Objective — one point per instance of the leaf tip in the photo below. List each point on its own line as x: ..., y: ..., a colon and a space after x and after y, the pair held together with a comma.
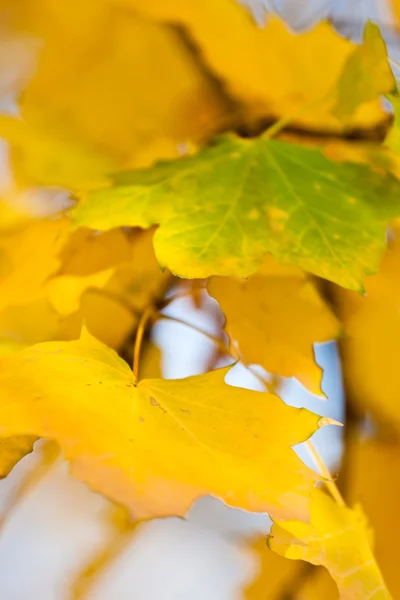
x: 328, y: 421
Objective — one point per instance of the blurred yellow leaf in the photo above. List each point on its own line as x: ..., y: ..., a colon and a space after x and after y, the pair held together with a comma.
x: 64, y: 292
x: 276, y: 315
x: 28, y: 257
x: 54, y: 281
x: 374, y: 477
x: 88, y: 252
x: 371, y: 345
x: 157, y: 445
x: 338, y: 539
x: 106, y: 318
x: 151, y: 362
x: 278, y: 576
x: 274, y: 573
x: 12, y: 449
x: 319, y: 585
x: 85, y: 293
x: 25, y: 324
x: 109, y: 85
x: 275, y: 71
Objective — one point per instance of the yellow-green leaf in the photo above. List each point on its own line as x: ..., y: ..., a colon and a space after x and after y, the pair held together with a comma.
x: 393, y: 137
x: 156, y: 445
x: 222, y: 210
x: 366, y: 74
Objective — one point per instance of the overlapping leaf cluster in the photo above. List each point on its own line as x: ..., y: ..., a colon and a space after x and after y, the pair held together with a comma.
x: 163, y: 129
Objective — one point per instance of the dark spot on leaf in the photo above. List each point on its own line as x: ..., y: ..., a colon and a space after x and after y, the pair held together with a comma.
x: 154, y: 402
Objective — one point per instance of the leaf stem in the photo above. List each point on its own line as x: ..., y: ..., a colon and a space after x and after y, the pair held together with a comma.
x: 220, y: 343
x: 285, y: 121
x: 146, y: 315
x: 324, y: 471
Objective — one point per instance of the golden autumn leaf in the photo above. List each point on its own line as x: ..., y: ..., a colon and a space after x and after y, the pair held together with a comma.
x: 276, y: 315
x: 64, y: 292
x: 87, y: 252
x: 121, y: 263
x: 278, y: 576
x: 274, y: 573
x: 12, y: 449
x: 371, y: 344
x: 157, y: 445
x: 122, y: 66
x: 374, y: 477
x: 318, y: 585
x: 273, y: 70
x: 114, y: 274
x: 338, y: 539
x: 29, y: 323
x: 48, y: 292
x: 106, y: 318
x: 28, y: 257
x: 151, y: 362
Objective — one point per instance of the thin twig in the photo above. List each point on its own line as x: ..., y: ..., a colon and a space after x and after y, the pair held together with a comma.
x: 147, y: 314
x: 220, y: 343
x: 282, y: 123
x: 329, y: 482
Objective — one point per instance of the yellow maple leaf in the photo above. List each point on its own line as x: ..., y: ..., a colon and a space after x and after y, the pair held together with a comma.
x: 157, y: 445
x: 151, y: 362
x: 64, y: 292
x: 371, y: 344
x: 279, y: 577
x: 274, y: 573
x: 29, y: 323
x: 12, y: 449
x: 374, y: 476
x: 318, y: 585
x: 135, y: 86
x: 87, y: 252
x: 276, y: 315
x: 114, y: 274
x: 28, y: 257
x: 54, y: 281
x: 275, y: 71
x: 123, y: 264
x: 338, y: 539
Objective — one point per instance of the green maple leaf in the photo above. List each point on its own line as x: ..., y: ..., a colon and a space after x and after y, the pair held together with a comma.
x: 220, y: 211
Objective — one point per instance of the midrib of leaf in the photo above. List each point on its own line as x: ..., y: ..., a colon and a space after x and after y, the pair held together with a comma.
x: 177, y: 420
x: 231, y: 206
